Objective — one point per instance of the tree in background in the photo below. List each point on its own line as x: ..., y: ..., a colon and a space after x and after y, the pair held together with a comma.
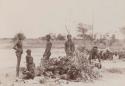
x: 42, y: 38
x: 83, y: 32
x: 60, y: 37
x: 107, y: 40
x: 54, y: 37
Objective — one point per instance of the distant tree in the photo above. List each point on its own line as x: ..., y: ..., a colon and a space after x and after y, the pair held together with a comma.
x: 83, y: 32
x: 19, y: 35
x: 103, y: 39
x: 108, y: 40
x: 42, y: 38
x: 60, y: 37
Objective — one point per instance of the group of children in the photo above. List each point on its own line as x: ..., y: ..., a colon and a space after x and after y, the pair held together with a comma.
x: 30, y: 66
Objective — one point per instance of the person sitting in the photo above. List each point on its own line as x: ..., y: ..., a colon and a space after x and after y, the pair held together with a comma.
x: 30, y: 72
x: 94, y: 57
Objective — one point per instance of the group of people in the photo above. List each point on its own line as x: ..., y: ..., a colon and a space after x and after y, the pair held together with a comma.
x: 30, y: 66
x: 18, y: 47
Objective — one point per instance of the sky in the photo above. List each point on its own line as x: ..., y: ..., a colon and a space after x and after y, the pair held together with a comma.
x: 37, y: 18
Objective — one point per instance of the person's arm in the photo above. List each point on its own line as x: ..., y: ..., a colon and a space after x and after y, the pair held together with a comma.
x: 15, y: 47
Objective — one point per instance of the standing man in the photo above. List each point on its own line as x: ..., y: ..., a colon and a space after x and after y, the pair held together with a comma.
x: 19, y: 51
x: 47, y: 52
x: 69, y: 46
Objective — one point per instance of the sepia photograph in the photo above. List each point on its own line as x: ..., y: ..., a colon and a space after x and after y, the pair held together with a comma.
x: 62, y: 43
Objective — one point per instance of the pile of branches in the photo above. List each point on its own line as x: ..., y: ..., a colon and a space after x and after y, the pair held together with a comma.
x: 76, y: 67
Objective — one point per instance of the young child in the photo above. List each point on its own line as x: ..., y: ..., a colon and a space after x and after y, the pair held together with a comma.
x: 30, y: 72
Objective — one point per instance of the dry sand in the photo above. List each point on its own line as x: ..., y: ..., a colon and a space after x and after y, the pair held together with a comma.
x: 113, y: 74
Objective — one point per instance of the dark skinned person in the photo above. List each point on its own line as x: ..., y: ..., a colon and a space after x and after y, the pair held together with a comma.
x: 69, y: 46
x: 47, y: 52
x: 46, y: 55
x: 19, y: 51
x: 30, y: 72
x: 94, y: 57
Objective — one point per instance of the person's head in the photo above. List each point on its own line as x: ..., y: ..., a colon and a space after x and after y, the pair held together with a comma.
x: 48, y: 37
x: 19, y: 36
x: 28, y: 52
x: 69, y: 36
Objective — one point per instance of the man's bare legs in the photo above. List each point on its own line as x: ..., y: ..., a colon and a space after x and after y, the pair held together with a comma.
x: 18, y: 64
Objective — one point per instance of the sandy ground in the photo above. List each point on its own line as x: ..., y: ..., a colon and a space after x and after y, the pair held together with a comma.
x: 113, y: 74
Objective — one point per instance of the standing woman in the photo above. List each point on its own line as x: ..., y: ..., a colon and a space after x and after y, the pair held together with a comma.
x: 19, y: 51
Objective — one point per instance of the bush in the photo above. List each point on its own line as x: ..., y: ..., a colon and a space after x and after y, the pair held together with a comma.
x: 70, y: 68
x: 60, y: 37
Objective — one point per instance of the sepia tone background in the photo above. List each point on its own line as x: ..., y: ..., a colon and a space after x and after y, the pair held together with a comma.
x: 36, y: 18
x: 103, y: 20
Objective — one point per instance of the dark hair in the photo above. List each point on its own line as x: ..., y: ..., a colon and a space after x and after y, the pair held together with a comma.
x: 69, y: 35
x: 48, y: 36
x: 28, y: 50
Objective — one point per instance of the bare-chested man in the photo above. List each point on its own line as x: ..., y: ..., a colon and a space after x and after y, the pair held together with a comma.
x: 47, y: 52
x: 69, y: 46
x: 19, y: 50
